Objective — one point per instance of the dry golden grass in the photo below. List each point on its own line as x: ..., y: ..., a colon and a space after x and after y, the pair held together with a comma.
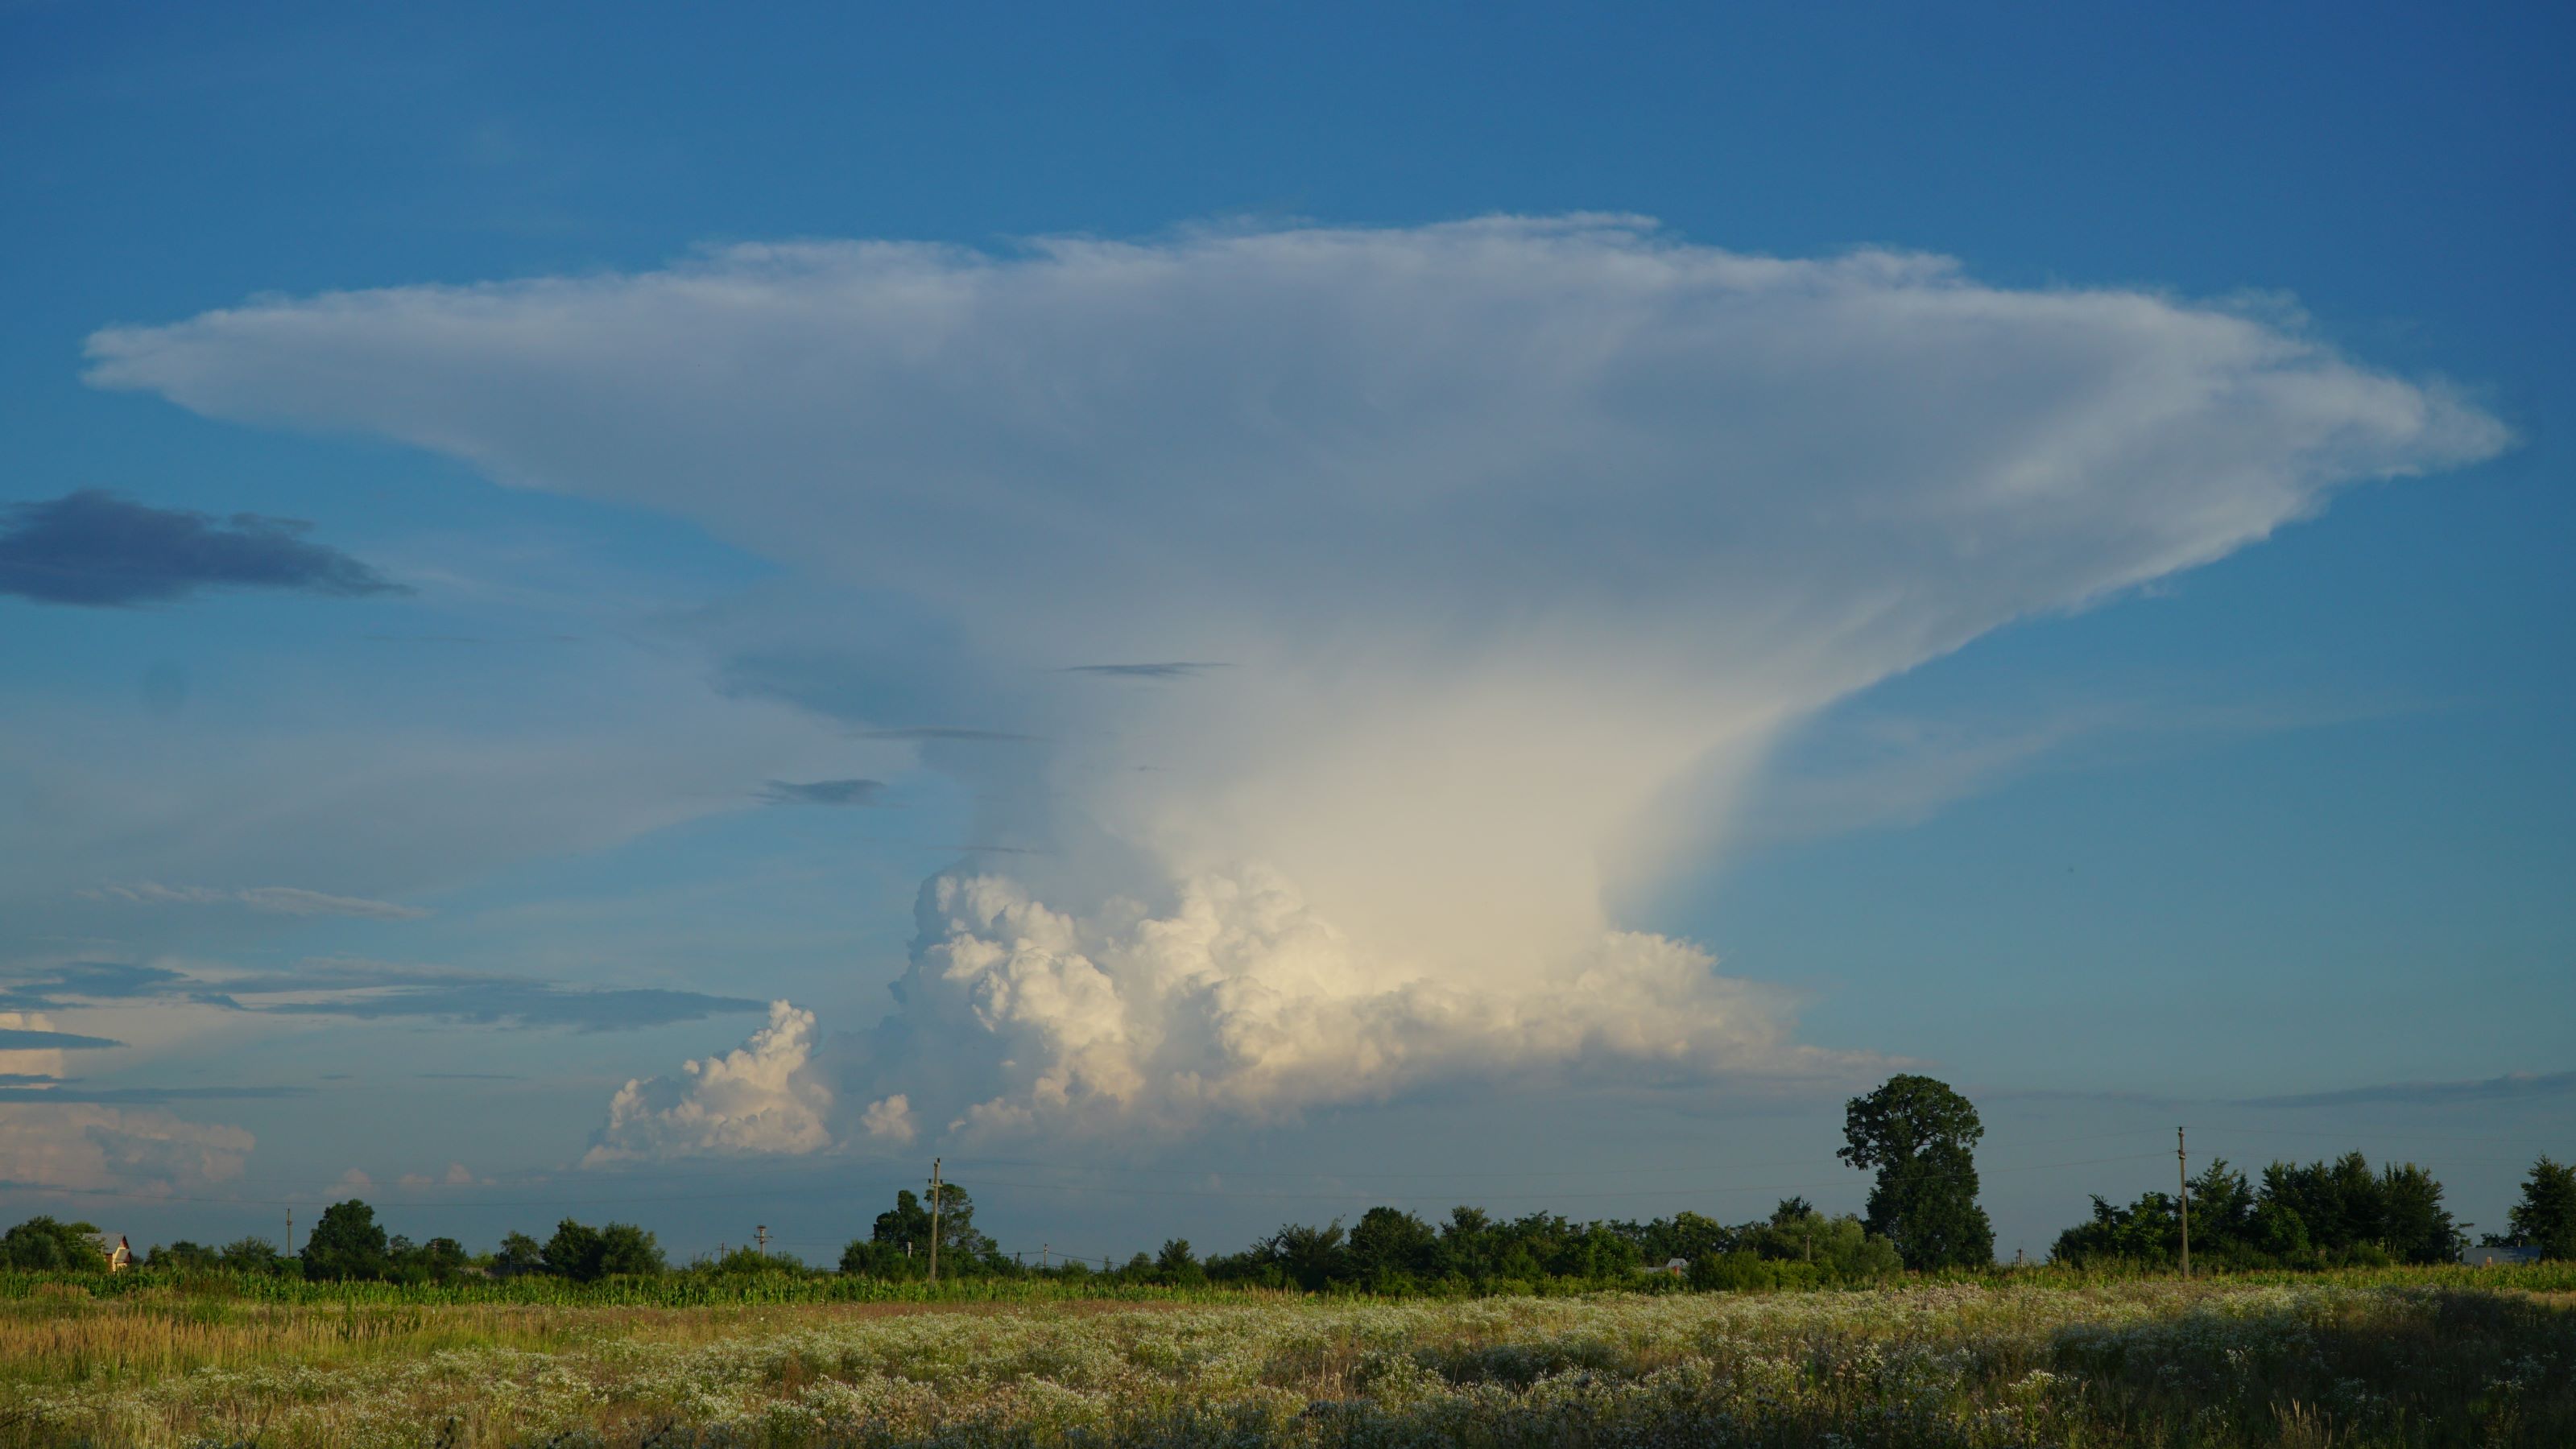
x: 2118, y: 1366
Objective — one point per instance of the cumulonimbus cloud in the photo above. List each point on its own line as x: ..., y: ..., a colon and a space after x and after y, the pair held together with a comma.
x: 1503, y: 528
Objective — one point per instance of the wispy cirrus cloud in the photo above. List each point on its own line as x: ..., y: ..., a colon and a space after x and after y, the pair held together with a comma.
x: 360, y: 990
x: 274, y: 900
x: 96, y: 549
x: 71, y: 1089
x: 377, y: 991
x: 2511, y: 1087
x: 50, y: 987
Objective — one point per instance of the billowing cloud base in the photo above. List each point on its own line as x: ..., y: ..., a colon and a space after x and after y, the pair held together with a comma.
x: 1497, y: 529
x: 1242, y: 1004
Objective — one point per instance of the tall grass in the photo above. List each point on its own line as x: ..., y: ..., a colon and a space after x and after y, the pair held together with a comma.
x: 2420, y: 1359
x: 675, y: 1290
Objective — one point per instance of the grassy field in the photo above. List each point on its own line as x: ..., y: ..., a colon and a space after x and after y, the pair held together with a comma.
x: 2390, y: 1358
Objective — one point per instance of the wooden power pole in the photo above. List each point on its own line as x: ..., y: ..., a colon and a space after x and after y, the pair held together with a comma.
x: 2182, y: 1180
x: 760, y: 1235
x: 934, y: 1221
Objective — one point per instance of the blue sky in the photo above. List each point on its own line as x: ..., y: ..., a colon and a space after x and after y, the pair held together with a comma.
x: 462, y: 802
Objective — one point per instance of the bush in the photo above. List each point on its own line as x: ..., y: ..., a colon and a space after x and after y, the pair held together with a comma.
x: 256, y: 1256
x: 182, y: 1254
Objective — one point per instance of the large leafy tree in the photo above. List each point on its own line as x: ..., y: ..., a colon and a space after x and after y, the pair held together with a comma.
x: 1921, y: 1138
x: 1178, y: 1263
x: 42, y: 1243
x: 518, y: 1254
x: 346, y: 1243
x: 908, y: 1221
x: 2415, y: 1227
x: 1308, y: 1257
x: 1393, y: 1247
x: 628, y: 1251
x: 573, y: 1252
x: 2546, y: 1216
x: 962, y: 1248
x: 586, y: 1254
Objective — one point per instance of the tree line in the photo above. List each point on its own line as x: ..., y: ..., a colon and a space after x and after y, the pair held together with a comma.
x: 2324, y: 1214
x: 1915, y: 1133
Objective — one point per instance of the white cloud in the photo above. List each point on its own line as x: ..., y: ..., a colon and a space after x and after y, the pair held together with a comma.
x: 890, y: 1119
x: 757, y: 1099
x: 81, y: 1146
x: 277, y: 900
x: 1502, y: 528
x: 1244, y: 1003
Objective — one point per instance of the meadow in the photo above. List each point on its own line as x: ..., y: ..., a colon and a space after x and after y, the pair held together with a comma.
x: 2390, y: 1357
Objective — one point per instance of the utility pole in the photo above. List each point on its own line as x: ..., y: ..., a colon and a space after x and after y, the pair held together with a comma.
x: 1042, y: 1256
x: 760, y: 1234
x: 290, y: 1232
x: 934, y: 1221
x: 2182, y: 1179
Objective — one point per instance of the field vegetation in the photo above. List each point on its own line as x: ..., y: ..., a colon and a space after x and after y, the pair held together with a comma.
x: 2361, y: 1358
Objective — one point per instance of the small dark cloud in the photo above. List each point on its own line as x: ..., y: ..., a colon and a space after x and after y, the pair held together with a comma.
x: 469, y: 1076
x: 2509, y: 1087
x: 73, y: 1092
x: 943, y: 732
x: 21, y: 1039
x: 822, y: 792
x: 26, y: 1079
x: 1166, y: 669
x: 95, y: 549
